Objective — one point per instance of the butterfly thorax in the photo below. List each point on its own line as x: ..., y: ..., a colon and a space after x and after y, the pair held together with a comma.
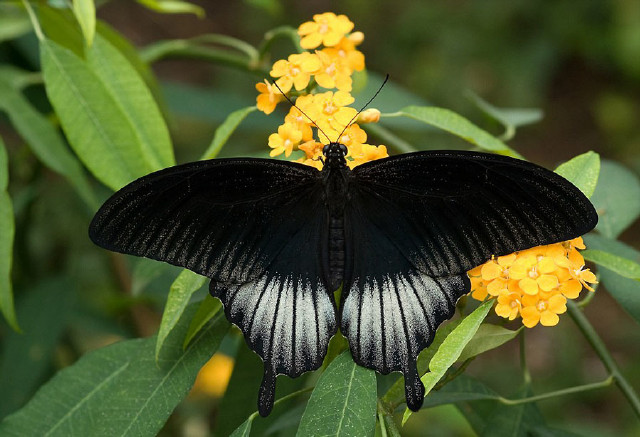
x: 336, y: 187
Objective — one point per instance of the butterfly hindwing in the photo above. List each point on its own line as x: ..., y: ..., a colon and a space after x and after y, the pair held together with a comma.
x: 287, y: 314
x: 390, y: 310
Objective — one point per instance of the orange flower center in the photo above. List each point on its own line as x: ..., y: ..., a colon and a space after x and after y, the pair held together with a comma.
x: 542, y: 305
x: 324, y: 28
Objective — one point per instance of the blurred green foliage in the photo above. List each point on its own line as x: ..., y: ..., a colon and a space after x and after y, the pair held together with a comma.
x: 576, y: 62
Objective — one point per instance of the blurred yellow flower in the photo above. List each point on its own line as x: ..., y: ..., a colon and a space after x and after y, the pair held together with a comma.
x: 534, y: 283
x: 214, y: 376
x: 326, y: 29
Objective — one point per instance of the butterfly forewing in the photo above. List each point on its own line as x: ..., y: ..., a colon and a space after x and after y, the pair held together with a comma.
x: 450, y: 211
x: 225, y: 219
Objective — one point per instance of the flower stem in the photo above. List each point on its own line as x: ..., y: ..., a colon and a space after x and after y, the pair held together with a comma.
x: 599, y: 347
x: 526, y: 376
x: 577, y: 389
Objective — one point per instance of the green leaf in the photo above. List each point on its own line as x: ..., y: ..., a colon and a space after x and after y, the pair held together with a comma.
x: 486, y: 338
x: 224, y: 131
x: 127, y: 49
x: 582, y: 171
x: 117, y: 390
x: 625, y: 291
x: 244, y: 430
x: 7, y: 231
x: 173, y: 7
x: 451, y: 348
x: 616, y: 198
x: 95, y: 124
x: 180, y: 294
x: 457, y: 125
x: 343, y: 402
x: 395, y: 395
x: 44, y: 140
x: 513, y: 420
x: 510, y: 118
x: 208, y: 308
x: 622, y: 266
x: 45, y: 311
x: 135, y: 101
x: 85, y: 12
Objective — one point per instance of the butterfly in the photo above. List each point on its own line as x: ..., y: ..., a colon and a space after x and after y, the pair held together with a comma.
x: 397, y: 234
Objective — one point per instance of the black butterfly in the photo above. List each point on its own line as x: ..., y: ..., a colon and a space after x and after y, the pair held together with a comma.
x: 399, y: 234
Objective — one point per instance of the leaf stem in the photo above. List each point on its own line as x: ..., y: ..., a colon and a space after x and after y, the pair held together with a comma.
x: 184, y: 49
x: 34, y: 20
x: 273, y: 35
x: 577, y: 389
x: 601, y: 350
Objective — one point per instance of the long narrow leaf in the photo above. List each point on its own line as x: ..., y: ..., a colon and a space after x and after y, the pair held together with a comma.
x: 180, y: 293
x: 138, y: 106
x: 7, y: 231
x: 457, y: 125
x: 45, y: 141
x: 224, y: 131
x: 85, y: 12
x: 94, y: 123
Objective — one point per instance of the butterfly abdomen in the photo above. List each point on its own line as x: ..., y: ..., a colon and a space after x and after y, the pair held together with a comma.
x: 336, y: 251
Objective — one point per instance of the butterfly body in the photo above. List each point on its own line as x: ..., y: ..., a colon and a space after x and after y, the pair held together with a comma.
x: 398, y: 234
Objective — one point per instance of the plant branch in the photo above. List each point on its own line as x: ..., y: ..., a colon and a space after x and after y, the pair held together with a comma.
x: 601, y: 350
x: 565, y: 391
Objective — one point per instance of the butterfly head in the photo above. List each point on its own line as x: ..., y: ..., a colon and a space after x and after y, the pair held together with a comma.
x: 334, y: 154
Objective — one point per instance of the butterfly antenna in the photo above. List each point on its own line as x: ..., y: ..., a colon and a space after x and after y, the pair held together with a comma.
x: 364, y: 107
x: 303, y: 113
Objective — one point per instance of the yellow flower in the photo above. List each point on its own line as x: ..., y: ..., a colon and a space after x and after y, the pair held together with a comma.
x: 302, y: 123
x: 509, y: 305
x: 295, y: 71
x: 362, y: 153
x: 346, y: 51
x: 333, y: 73
x: 544, y: 311
x: 285, y: 140
x: 268, y: 98
x: 534, y: 283
x: 327, y: 29
x: 330, y: 112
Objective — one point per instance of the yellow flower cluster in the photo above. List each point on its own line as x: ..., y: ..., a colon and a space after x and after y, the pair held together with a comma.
x: 534, y: 283
x: 330, y: 67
